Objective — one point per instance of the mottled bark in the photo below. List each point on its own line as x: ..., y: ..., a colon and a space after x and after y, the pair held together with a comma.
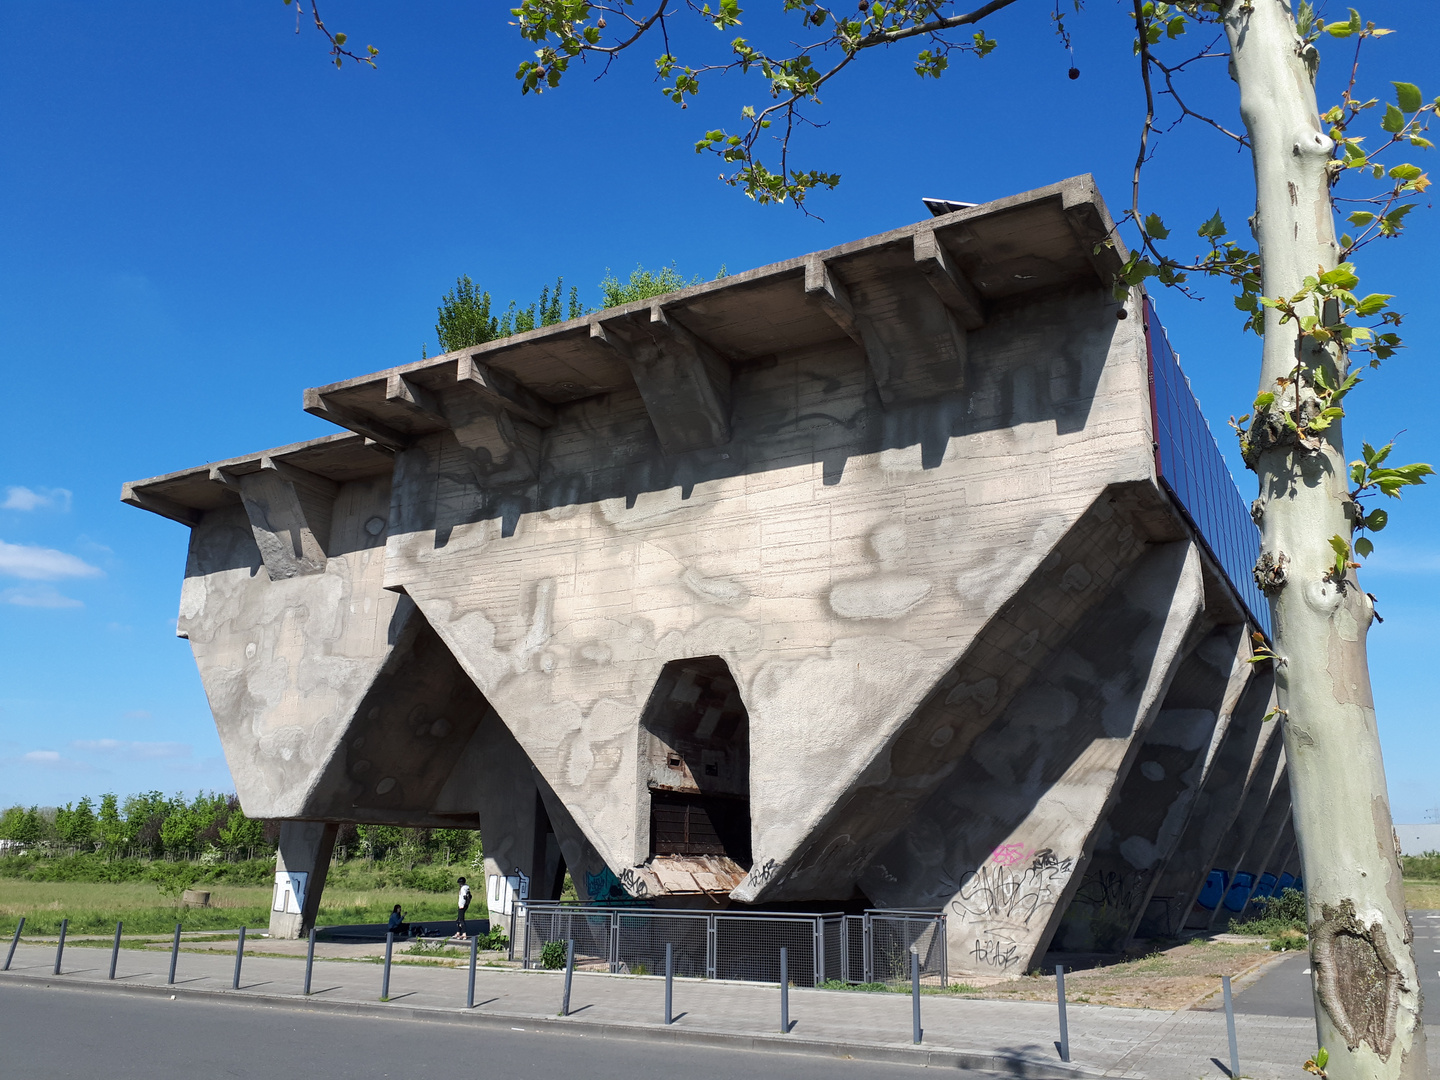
x: 1367, y: 995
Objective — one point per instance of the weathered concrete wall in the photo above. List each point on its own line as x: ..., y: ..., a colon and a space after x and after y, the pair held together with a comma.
x: 838, y: 557
x: 286, y: 661
x: 1266, y: 791
x: 858, y: 561
x: 1156, y: 796
x: 1237, y: 764
x: 999, y: 844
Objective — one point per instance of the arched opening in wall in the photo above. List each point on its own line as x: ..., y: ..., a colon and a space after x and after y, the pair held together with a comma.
x: 697, y: 757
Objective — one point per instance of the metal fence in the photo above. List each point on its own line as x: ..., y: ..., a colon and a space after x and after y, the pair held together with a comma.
x: 1193, y: 470
x: 741, y: 945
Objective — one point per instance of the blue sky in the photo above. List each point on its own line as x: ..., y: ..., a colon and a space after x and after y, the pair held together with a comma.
x: 200, y: 217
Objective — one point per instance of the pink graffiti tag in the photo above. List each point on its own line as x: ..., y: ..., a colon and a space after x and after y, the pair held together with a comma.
x: 1009, y: 854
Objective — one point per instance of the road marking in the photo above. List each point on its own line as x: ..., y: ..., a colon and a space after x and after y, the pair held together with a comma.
x: 1305, y: 972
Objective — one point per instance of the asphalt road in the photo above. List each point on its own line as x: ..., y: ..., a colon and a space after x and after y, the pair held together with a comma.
x: 64, y: 1034
x: 1285, y: 991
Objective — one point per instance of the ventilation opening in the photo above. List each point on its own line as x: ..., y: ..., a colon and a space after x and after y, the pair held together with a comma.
x: 699, y: 762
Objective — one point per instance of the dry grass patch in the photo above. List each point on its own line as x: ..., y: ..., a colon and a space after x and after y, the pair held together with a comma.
x: 1422, y: 895
x: 1170, y: 978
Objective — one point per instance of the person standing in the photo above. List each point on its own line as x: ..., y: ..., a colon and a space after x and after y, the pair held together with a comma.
x: 463, y: 902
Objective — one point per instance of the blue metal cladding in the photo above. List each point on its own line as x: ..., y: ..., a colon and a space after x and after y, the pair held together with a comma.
x: 1194, y: 471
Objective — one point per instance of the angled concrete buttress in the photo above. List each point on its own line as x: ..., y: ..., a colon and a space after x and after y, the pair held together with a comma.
x: 854, y: 579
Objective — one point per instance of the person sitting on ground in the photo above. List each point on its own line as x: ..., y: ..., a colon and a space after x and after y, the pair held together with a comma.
x: 397, y: 925
x: 462, y: 902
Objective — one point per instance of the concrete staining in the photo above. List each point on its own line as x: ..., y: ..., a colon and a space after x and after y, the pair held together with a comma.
x: 845, y: 581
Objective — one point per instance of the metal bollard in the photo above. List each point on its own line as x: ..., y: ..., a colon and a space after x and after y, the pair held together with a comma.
x: 470, y: 988
x: 669, y: 984
x: 115, y: 949
x: 309, y: 961
x: 569, y: 971
x: 915, y: 1032
x: 60, y: 948
x: 1230, y: 1029
x: 784, y: 992
x: 174, y: 954
x: 1064, y: 1026
x: 13, y: 942
x: 239, y: 955
x: 385, y: 979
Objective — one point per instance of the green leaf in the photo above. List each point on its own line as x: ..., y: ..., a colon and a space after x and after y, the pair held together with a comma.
x: 1214, y: 228
x: 1343, y: 275
x: 1373, y: 304
x: 1339, y: 30
x: 1376, y: 520
x: 1394, y: 120
x: 1361, y: 218
x: 1408, y: 95
x: 1364, y: 548
x: 1155, y: 227
x: 1406, y: 172
x: 1264, y: 401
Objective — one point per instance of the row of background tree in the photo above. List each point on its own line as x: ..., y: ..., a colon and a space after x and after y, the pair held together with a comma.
x: 210, y: 826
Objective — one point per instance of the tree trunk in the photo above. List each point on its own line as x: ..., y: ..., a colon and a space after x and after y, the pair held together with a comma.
x: 1367, y: 995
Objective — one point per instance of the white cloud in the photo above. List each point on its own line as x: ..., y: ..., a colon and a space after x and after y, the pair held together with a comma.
x: 38, y: 596
x: 24, y: 498
x: 53, y: 759
x: 133, y: 751
x: 42, y: 564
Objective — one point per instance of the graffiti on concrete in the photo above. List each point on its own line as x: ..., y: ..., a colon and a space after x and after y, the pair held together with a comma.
x: 1009, y: 854
x: 606, y: 888
x: 1113, y: 892
x: 996, y: 952
x: 1014, y: 892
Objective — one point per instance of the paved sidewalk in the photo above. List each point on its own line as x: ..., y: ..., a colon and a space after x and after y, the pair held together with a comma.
x: 1013, y: 1038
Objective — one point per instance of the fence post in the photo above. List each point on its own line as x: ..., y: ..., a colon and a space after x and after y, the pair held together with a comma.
x: 174, y: 954
x: 669, y: 983
x: 239, y: 955
x: 514, y: 906
x: 569, y: 972
x: 1230, y: 1029
x: 13, y: 942
x: 309, y: 961
x: 784, y: 992
x: 470, y: 986
x: 1064, y: 1026
x: 115, y: 949
x: 819, y: 928
x: 385, y: 979
x: 867, y: 950
x: 614, y: 942
x: 942, y: 930
x: 711, y: 957
x: 60, y: 948
x: 915, y: 1030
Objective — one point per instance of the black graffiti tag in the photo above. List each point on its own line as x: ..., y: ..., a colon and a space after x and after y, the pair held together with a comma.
x: 1013, y: 893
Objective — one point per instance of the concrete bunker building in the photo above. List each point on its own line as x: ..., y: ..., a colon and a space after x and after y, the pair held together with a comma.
x: 903, y: 575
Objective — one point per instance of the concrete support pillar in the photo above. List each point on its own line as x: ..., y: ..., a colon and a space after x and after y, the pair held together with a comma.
x: 301, y: 864
x: 999, y: 843
x: 1233, y: 770
x: 1155, y: 800
x: 1252, y: 861
x: 1245, y: 821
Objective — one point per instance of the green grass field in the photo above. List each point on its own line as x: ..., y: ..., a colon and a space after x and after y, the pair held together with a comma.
x: 94, y: 907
